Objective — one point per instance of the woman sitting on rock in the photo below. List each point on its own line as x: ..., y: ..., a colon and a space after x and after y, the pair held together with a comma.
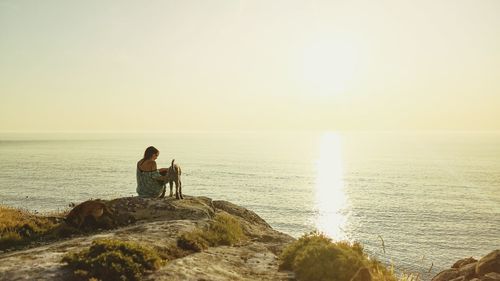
x: 150, y: 181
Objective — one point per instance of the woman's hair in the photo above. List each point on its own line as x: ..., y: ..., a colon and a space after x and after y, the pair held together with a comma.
x: 150, y: 151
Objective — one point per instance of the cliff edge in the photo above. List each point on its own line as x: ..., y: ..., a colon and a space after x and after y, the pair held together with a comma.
x: 158, y: 223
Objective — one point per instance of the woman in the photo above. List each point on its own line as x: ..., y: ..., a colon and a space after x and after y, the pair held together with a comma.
x: 150, y: 183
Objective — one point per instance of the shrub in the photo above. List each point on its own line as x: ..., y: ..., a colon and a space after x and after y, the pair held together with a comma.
x: 63, y: 230
x: 9, y: 238
x: 172, y: 251
x: 381, y: 272
x: 112, y: 260
x: 314, y: 256
x: 192, y: 241
x: 292, y: 250
x: 19, y: 227
x: 223, y: 230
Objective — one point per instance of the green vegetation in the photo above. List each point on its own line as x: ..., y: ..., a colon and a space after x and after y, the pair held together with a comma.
x: 20, y: 227
x: 192, y: 241
x: 113, y: 260
x: 314, y: 256
x: 223, y: 230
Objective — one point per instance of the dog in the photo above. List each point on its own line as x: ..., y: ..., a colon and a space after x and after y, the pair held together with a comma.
x: 88, y: 212
x: 173, y: 175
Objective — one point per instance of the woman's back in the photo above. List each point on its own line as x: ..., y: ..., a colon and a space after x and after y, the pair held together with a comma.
x: 149, y: 183
x: 146, y: 165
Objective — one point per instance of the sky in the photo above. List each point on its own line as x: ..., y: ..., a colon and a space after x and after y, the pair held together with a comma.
x: 185, y: 65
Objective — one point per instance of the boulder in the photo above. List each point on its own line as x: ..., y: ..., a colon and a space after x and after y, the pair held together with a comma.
x: 468, y: 270
x: 146, y: 209
x: 463, y: 262
x: 492, y: 276
x: 446, y: 275
x: 459, y: 278
x: 489, y: 263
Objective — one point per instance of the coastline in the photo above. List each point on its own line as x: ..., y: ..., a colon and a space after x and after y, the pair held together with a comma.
x: 157, y: 222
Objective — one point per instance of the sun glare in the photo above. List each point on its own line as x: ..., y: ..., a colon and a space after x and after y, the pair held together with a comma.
x: 330, y: 197
x: 329, y: 66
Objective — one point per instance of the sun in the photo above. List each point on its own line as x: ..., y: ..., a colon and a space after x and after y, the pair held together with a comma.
x: 329, y: 66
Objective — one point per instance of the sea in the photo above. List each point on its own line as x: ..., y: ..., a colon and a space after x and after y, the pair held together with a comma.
x: 418, y: 201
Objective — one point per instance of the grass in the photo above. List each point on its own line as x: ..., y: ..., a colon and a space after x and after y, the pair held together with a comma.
x: 19, y: 227
x: 109, y: 259
x: 314, y: 256
x: 192, y: 241
x: 224, y: 229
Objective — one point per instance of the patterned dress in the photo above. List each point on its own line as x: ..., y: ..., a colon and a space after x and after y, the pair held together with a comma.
x: 149, y: 184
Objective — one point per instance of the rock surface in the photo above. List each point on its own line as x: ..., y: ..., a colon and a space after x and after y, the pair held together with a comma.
x: 470, y: 269
x: 157, y: 223
x: 489, y: 263
x: 463, y: 262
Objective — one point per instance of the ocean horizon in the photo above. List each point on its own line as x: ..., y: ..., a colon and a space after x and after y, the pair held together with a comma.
x: 419, y: 200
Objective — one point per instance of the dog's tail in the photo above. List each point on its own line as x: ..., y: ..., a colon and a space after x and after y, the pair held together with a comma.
x: 174, y: 168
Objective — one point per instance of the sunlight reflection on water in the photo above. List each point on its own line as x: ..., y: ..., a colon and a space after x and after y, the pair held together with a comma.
x: 330, y: 197
x: 408, y: 188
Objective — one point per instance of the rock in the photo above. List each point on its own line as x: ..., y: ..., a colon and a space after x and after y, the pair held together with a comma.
x: 250, y: 262
x: 489, y: 263
x: 459, y: 278
x: 463, y: 262
x: 255, y: 227
x: 492, y: 276
x: 140, y: 209
x: 468, y: 270
x: 446, y: 275
x: 241, y: 212
x: 157, y: 223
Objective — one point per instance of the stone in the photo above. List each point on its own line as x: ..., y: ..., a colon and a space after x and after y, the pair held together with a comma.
x: 489, y: 263
x: 463, y: 262
x: 446, y: 275
x: 492, y: 276
x: 459, y: 278
x: 468, y: 270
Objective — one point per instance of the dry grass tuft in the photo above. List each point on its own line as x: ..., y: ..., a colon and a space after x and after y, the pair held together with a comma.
x: 19, y: 227
x: 109, y: 259
x: 315, y: 256
x: 223, y: 230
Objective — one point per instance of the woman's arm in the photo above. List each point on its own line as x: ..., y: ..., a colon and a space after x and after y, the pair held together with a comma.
x: 161, y: 170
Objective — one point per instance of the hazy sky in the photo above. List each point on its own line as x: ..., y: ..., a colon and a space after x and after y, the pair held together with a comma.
x: 247, y: 65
